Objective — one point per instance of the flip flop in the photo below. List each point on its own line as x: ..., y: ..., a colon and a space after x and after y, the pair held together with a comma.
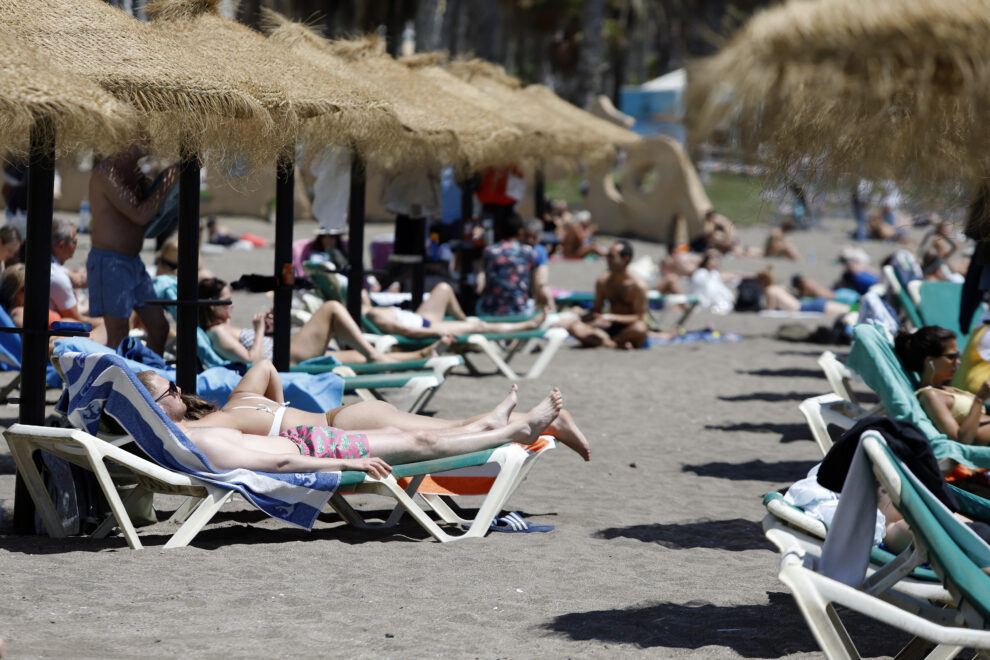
x: 513, y: 523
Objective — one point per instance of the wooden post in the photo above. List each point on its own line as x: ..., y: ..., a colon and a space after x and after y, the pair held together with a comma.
x: 284, y: 218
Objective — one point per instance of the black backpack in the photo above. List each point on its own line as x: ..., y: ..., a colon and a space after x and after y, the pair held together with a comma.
x: 748, y: 295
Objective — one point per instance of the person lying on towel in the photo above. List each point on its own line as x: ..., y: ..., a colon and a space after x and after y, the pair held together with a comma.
x: 257, y: 430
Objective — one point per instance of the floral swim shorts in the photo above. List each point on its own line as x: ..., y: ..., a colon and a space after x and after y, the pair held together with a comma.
x: 327, y: 442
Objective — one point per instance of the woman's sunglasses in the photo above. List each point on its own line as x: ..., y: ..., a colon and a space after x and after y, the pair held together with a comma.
x: 172, y: 389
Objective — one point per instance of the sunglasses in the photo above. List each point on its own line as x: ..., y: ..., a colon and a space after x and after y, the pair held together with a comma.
x: 951, y: 356
x: 172, y: 389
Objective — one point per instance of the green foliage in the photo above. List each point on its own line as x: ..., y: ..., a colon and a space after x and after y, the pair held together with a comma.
x: 739, y: 198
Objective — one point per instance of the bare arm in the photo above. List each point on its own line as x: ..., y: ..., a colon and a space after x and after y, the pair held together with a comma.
x: 261, y: 378
x: 224, y: 452
x: 970, y: 431
x: 230, y: 344
x: 541, y: 287
x: 126, y: 201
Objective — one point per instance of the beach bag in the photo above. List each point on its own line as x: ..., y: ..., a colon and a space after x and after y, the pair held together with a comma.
x: 748, y: 296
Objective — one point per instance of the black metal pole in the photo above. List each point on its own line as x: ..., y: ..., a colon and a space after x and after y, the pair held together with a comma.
x: 539, y: 194
x: 188, y: 280
x: 418, y: 248
x: 285, y: 184
x: 355, y: 234
x: 466, y: 292
x: 37, y: 285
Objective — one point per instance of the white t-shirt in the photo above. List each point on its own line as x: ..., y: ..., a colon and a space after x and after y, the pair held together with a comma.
x: 62, y: 296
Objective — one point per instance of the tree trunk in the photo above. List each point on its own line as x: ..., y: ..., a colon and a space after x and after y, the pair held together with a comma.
x: 429, y: 25
x: 589, y: 73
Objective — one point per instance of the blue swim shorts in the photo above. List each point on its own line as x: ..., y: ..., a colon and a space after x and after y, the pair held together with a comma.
x: 813, y: 304
x: 118, y: 283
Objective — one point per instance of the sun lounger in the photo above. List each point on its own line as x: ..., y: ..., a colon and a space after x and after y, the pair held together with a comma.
x: 409, y: 389
x: 954, y: 552
x: 797, y: 527
x: 938, y: 303
x: 100, y: 386
x: 500, y: 348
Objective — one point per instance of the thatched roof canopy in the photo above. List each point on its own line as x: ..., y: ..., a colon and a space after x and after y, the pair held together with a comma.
x: 440, y: 127
x: 341, y: 113
x: 888, y: 88
x: 609, y: 132
x: 569, y: 142
x: 184, y: 97
x: 81, y: 113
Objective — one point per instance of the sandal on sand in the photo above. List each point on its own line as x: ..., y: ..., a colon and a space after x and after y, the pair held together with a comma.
x: 513, y: 523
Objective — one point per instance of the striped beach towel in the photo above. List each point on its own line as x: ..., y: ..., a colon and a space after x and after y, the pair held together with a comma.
x: 102, y: 383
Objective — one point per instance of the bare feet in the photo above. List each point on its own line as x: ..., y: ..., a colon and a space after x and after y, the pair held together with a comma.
x: 499, y: 416
x: 528, y: 429
x: 567, y: 432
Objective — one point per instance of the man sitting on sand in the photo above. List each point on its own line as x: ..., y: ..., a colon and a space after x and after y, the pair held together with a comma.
x: 118, y: 280
x: 625, y: 326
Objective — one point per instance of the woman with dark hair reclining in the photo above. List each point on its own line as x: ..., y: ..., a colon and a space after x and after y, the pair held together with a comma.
x: 261, y: 422
x: 933, y: 352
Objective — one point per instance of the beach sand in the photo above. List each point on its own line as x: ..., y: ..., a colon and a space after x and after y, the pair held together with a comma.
x: 657, y: 550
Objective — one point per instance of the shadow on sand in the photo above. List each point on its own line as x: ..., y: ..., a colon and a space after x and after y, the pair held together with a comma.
x: 734, y: 535
x: 788, y: 432
x: 789, y: 372
x: 769, y: 396
x: 781, y: 471
x: 772, y: 630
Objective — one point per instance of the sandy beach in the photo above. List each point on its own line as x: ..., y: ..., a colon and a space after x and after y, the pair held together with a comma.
x: 657, y: 550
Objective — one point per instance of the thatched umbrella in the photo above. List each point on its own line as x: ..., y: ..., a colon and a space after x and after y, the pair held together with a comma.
x: 187, y: 99
x: 321, y: 108
x: 888, y: 88
x: 441, y: 128
x: 608, y: 131
x: 319, y: 105
x: 83, y: 115
x: 570, y: 142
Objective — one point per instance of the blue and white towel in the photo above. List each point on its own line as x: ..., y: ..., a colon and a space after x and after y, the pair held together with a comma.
x: 98, y: 383
x: 309, y: 392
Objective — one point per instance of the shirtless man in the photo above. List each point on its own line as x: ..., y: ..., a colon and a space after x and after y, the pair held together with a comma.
x: 625, y: 326
x: 118, y: 281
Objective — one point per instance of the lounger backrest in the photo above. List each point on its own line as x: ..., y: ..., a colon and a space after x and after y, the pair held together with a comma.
x: 956, y: 553
x: 99, y: 384
x: 939, y: 305
x: 873, y: 358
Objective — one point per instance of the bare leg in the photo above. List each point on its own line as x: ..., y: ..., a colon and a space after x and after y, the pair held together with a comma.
x: 812, y: 289
x: 588, y: 335
x: 117, y: 329
x: 349, y: 356
x: 406, y: 446
x: 156, y: 326
x: 379, y: 414
x: 331, y: 321
x: 632, y: 336
x: 442, y: 302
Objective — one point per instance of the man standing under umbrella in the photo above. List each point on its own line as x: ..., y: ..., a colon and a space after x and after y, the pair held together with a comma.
x: 122, y: 205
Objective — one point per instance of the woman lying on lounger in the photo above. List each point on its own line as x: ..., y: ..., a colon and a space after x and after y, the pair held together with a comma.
x: 933, y: 352
x: 331, y: 321
x: 256, y: 409
x: 429, y: 319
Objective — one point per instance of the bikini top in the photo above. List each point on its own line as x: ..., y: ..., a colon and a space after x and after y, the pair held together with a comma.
x: 278, y: 413
x: 962, y: 401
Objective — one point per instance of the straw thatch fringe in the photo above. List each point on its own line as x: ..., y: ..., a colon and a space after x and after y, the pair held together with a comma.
x: 439, y: 125
x: 319, y: 105
x: 147, y: 66
x: 82, y: 115
x: 889, y: 88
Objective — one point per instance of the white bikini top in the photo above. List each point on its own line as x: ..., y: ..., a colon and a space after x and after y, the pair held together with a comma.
x: 278, y: 413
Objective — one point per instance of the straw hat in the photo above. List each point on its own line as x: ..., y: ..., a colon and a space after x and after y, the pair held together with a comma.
x: 881, y: 89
